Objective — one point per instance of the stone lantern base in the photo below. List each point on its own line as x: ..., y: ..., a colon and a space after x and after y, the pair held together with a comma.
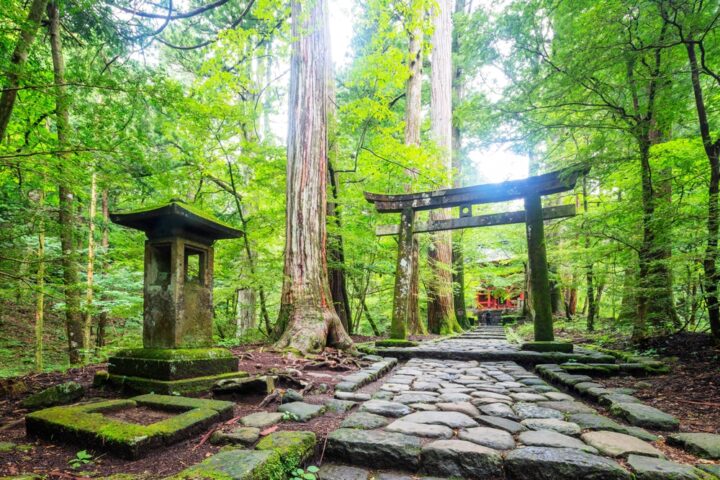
x: 170, y: 371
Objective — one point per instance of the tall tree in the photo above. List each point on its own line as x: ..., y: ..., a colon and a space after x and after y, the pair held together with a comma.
x: 336, y: 244
x: 17, y: 63
x: 413, y: 122
x: 307, y: 320
x: 693, y: 21
x: 68, y: 244
x: 458, y: 89
x: 441, y: 308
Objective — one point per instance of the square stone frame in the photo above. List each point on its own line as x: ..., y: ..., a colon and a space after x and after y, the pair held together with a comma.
x: 86, y: 425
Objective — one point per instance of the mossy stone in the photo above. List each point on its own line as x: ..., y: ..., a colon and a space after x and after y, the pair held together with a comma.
x: 181, y: 404
x: 86, y: 424
x: 548, y: 346
x: 56, y: 395
x: 172, y: 363
x: 294, y: 448
x: 170, y: 387
x: 396, y: 342
x: 236, y: 464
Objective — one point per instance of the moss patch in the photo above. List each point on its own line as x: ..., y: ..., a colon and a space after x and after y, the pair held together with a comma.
x: 86, y: 424
x: 236, y: 465
x: 596, y: 369
x: 170, y: 387
x: 175, y: 353
x: 294, y: 448
x: 55, y: 395
x: 393, y: 342
x: 174, y: 403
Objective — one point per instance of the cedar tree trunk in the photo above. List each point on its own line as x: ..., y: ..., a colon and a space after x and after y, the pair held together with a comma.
x: 307, y: 319
x: 413, y: 121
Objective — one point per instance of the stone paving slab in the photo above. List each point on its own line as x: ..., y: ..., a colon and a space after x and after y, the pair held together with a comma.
x: 476, y: 419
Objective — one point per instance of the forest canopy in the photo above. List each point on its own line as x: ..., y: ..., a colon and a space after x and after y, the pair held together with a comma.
x: 237, y: 109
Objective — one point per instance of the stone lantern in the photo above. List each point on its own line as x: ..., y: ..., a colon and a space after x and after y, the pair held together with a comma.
x: 177, y: 354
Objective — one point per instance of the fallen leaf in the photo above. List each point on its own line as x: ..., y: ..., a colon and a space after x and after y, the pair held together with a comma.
x: 269, y: 430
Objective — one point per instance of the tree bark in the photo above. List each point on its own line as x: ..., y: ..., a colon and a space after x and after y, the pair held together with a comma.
x: 441, y: 308
x: 72, y: 289
x: 655, y: 303
x: 17, y: 62
x: 336, y: 253
x: 589, y: 274
x: 413, y: 121
x: 336, y: 245
x: 307, y: 320
x: 245, y: 316
x: 712, y: 151
x: 87, y: 327
x: 105, y: 244
x: 458, y: 276
x: 40, y: 299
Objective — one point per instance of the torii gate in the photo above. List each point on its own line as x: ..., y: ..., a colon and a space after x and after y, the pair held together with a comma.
x: 530, y: 189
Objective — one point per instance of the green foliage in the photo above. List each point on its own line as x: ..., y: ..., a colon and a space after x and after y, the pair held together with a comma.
x: 289, y: 417
x: 81, y: 459
x: 304, y: 474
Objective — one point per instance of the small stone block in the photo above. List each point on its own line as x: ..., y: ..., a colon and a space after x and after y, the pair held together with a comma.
x: 648, y: 468
x: 302, y: 411
x: 705, y: 445
x: 615, y: 444
x: 339, y: 406
x: 459, y: 458
x: 364, y: 421
x: 374, y: 447
x: 56, y: 395
x: 236, y: 464
x: 564, y: 347
x: 645, y: 416
x: 238, y: 436
x: 330, y: 471
x: 261, y: 419
x: 294, y: 448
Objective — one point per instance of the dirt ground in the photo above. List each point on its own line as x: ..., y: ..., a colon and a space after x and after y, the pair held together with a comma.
x: 691, y: 391
x: 52, y: 459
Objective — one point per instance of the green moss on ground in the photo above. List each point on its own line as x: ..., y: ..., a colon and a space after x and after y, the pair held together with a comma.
x: 56, y: 395
x: 171, y: 387
x: 175, y: 403
x: 87, y: 423
x: 175, y: 353
x: 294, y: 448
x: 236, y: 464
x: 392, y: 342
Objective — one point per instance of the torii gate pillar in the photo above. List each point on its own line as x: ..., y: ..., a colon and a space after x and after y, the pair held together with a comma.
x: 537, y: 259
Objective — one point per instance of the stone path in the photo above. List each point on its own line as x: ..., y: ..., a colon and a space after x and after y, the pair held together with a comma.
x: 489, y: 344
x: 486, y: 420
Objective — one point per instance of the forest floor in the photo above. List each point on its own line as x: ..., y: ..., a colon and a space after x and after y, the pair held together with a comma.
x: 692, y: 388
x: 53, y: 458
x: 688, y: 392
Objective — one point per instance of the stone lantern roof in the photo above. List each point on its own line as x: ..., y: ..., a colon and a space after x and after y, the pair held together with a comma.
x: 176, y: 218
